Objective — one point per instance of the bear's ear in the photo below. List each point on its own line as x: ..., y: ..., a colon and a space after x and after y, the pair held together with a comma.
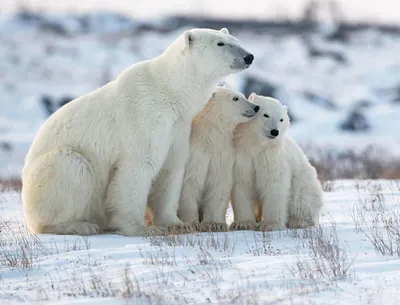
x: 189, y: 38
x: 284, y: 107
x: 226, y: 86
x: 225, y: 31
x: 252, y: 97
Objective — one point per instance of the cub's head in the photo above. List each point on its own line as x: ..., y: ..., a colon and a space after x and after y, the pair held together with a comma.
x: 216, y: 53
x: 272, y: 119
x: 232, y: 105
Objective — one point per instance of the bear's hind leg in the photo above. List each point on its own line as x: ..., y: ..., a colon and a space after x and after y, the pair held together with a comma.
x: 60, y: 194
x: 307, y: 200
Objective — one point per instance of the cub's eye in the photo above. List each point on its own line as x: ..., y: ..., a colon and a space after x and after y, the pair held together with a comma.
x: 266, y: 115
x: 281, y: 120
x: 220, y: 44
x: 235, y: 99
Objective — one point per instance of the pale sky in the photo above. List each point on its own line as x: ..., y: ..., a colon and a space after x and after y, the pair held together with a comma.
x: 384, y: 11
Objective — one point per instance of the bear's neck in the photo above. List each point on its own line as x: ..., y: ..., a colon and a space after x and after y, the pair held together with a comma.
x: 185, y: 78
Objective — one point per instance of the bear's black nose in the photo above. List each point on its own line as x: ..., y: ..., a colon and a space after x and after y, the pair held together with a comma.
x: 274, y: 132
x: 249, y: 59
x: 256, y: 108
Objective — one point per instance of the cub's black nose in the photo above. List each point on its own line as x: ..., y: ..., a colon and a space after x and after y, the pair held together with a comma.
x: 256, y: 108
x: 274, y: 132
x: 249, y: 59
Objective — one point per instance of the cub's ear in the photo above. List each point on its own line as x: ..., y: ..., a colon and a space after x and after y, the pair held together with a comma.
x: 226, y: 86
x: 225, y: 31
x: 284, y: 107
x: 188, y: 36
x: 252, y: 96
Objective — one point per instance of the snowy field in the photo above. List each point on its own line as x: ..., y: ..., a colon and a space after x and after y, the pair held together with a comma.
x: 353, y: 257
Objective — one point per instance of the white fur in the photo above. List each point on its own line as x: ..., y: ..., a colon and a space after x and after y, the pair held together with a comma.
x: 208, y: 174
x: 92, y: 163
x: 273, y: 175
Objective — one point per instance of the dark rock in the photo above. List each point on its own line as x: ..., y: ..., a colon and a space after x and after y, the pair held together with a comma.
x: 397, y: 95
x: 259, y: 87
x: 314, y: 52
x: 292, y: 116
x: 55, y: 28
x: 340, y: 34
x: 51, y: 105
x: 47, y: 103
x: 322, y: 101
x: 29, y: 17
x: 6, y: 146
x: 64, y: 100
x: 363, y: 104
x: 355, y: 121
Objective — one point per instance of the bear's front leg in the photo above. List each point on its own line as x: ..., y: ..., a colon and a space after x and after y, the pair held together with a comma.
x: 242, y: 195
x: 274, y: 200
x: 126, y: 200
x: 216, y: 194
x: 166, y: 190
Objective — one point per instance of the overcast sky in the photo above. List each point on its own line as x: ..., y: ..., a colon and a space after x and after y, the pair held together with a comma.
x: 385, y: 11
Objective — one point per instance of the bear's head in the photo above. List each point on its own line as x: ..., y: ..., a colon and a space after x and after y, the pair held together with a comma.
x: 272, y: 119
x: 232, y: 105
x: 215, y: 53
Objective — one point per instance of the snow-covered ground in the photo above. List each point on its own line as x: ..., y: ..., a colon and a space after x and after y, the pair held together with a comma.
x: 332, y: 264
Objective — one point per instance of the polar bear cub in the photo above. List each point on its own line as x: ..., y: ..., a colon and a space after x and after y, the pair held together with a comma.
x: 208, y: 174
x: 272, y: 174
x: 92, y: 163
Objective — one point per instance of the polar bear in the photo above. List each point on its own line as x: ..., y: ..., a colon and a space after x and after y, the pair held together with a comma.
x: 272, y: 174
x: 208, y: 173
x: 92, y: 163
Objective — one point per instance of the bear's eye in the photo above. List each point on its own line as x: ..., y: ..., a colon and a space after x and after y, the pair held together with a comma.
x: 266, y: 115
x: 281, y: 120
x: 220, y: 44
x: 235, y: 98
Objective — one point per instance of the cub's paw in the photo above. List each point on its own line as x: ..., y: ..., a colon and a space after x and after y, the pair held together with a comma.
x: 241, y: 226
x: 155, y: 231
x: 183, y: 228
x: 139, y: 231
x: 196, y: 226
x: 213, y: 227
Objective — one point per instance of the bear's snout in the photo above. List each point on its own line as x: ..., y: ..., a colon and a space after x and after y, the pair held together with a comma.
x: 274, y: 132
x: 249, y: 59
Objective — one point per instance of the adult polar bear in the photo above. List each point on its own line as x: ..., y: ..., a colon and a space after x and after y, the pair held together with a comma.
x: 92, y: 163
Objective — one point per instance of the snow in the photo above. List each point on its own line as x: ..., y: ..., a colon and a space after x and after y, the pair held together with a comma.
x: 203, y: 268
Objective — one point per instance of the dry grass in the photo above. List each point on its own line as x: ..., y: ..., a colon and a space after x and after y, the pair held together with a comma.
x: 19, y: 248
x: 10, y: 184
x: 373, y: 162
x: 207, y: 240
x: 326, y: 259
x: 158, y: 257
x: 261, y: 245
x: 377, y: 222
